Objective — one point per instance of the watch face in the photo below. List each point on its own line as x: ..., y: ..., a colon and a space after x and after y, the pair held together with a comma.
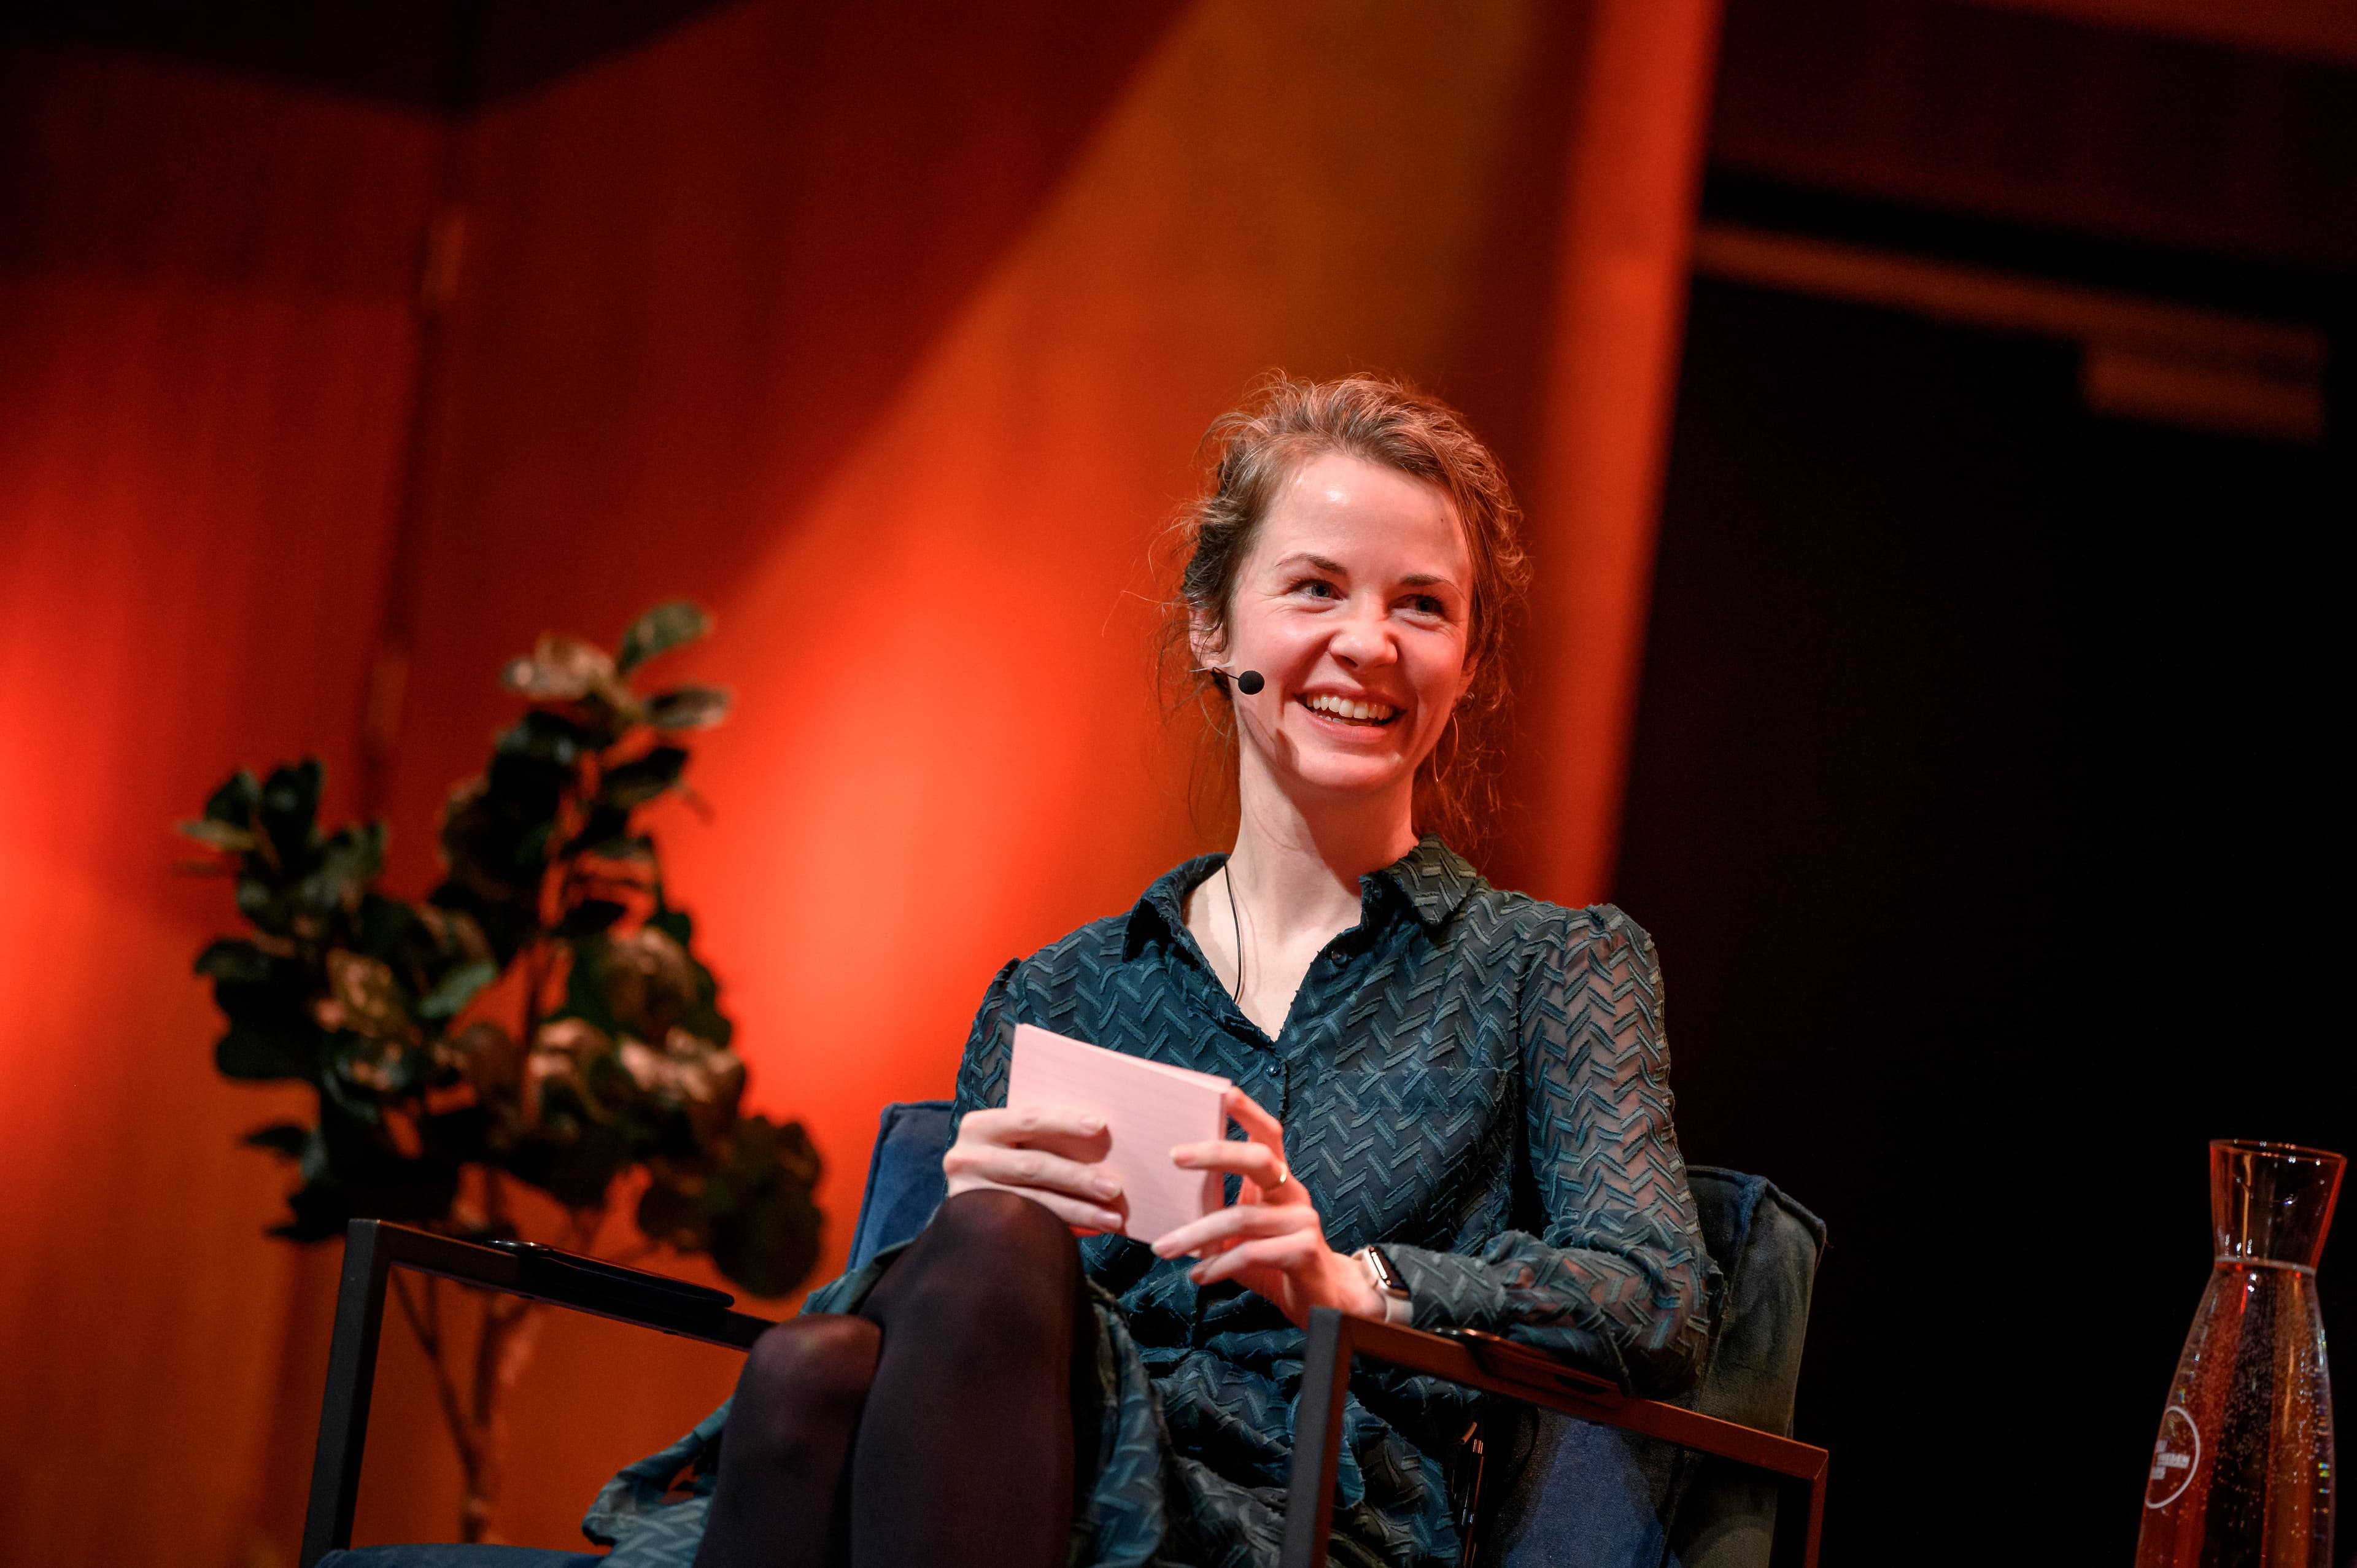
x: 1387, y: 1278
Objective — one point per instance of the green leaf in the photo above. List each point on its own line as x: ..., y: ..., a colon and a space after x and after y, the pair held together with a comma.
x: 641, y: 779
x: 589, y: 918
x: 289, y: 810
x: 320, y: 1210
x: 605, y: 822
x: 550, y: 736
x: 687, y: 707
x: 578, y: 1171
x: 673, y: 1214
x: 234, y: 960
x: 235, y: 801
x: 667, y: 625
x: 457, y: 988
x: 634, y: 847
x: 765, y: 1229
x: 348, y: 861
x: 269, y: 906
x: 262, y: 1055
x: 289, y: 1139
x: 586, y: 985
x: 217, y: 835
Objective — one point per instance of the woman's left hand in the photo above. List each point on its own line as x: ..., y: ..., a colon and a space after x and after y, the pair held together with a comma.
x: 1271, y: 1239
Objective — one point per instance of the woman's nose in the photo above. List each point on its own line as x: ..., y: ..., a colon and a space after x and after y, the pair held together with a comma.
x: 1362, y: 639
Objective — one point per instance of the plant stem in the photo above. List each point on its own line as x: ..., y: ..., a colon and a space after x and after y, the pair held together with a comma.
x: 427, y: 1326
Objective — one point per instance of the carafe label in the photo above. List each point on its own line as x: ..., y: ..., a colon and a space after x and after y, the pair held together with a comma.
x: 2175, y: 1457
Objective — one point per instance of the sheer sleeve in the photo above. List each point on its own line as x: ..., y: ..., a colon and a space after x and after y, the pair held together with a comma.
x: 1620, y: 1279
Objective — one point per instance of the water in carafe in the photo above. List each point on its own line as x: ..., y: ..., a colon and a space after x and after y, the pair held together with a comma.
x: 2242, y: 1474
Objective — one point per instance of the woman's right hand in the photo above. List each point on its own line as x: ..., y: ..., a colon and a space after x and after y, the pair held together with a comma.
x: 1030, y: 1152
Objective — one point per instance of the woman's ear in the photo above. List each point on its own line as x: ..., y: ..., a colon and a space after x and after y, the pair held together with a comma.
x: 1205, y: 642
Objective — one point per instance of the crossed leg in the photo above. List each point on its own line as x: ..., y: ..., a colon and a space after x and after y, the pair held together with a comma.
x: 938, y: 1426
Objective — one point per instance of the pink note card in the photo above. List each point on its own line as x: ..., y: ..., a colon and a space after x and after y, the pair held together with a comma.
x: 1148, y: 1108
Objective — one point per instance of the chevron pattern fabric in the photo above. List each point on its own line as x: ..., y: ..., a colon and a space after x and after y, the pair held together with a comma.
x: 1475, y: 1080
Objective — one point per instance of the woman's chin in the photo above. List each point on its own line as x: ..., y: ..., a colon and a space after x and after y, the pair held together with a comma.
x: 1351, y: 775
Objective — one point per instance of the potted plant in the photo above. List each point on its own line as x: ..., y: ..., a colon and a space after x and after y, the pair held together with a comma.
x: 540, y: 1019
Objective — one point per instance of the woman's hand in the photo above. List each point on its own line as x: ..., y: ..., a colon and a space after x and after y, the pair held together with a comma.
x: 1270, y: 1241
x: 1041, y: 1154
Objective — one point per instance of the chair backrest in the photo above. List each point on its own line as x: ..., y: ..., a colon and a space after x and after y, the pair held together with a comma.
x: 1592, y: 1497
x: 1589, y: 1497
x: 1767, y: 1246
x: 904, y: 1177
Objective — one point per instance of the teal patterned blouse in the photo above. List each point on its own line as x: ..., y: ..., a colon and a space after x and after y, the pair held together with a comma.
x: 1475, y: 1080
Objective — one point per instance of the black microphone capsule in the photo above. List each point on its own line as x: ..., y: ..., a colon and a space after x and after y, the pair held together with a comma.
x: 1249, y: 682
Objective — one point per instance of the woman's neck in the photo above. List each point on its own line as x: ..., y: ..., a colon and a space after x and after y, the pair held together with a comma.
x: 1296, y: 867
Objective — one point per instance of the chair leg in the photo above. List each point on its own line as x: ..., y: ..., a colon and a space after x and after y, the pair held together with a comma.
x: 1317, y: 1439
x: 1800, y: 1516
x: 344, y: 1409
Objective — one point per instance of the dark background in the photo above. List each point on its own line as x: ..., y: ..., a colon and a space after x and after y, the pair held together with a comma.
x: 1990, y: 788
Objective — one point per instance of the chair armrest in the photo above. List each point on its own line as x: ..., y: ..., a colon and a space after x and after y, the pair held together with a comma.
x: 1517, y: 1371
x: 372, y: 1250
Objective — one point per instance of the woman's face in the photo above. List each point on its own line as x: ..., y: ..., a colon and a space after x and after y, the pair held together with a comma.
x: 1353, y: 604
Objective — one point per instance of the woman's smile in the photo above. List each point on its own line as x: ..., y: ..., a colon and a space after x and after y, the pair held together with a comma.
x: 1353, y: 713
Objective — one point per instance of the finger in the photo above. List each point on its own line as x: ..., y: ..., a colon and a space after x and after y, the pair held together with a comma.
x: 1198, y: 1237
x: 1285, y: 1255
x: 1246, y: 1112
x: 1074, y: 1212
x: 1267, y: 1132
x: 1012, y: 1128
x: 1271, y: 1180
x: 1032, y: 1168
x: 1257, y: 1161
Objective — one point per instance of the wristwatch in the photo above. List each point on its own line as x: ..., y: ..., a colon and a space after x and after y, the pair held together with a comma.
x: 1388, y: 1285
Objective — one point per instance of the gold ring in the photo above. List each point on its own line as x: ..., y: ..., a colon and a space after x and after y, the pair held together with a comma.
x: 1283, y: 1175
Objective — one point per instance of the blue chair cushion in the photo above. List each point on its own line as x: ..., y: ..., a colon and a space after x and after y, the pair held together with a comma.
x: 904, y: 1177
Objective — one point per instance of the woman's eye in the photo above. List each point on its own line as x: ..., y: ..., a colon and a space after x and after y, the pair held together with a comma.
x: 1316, y: 587
x: 1424, y: 604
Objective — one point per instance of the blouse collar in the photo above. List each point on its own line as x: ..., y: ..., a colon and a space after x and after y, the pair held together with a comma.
x: 1430, y: 882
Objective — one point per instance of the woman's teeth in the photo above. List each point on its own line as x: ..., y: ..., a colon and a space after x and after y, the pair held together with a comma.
x: 1343, y: 708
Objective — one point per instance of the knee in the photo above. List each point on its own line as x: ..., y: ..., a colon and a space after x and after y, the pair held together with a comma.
x: 805, y: 1373
x: 996, y: 1239
x: 996, y: 1224
x: 994, y: 1263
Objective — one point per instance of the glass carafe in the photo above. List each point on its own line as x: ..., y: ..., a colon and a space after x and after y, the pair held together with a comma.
x: 2242, y: 1477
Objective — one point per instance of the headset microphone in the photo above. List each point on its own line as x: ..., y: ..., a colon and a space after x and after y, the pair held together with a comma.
x: 1249, y: 682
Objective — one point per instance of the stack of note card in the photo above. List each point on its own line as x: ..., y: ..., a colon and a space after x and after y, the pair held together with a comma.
x: 1148, y: 1108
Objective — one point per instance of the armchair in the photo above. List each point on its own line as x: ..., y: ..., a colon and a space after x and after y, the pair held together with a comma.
x: 1611, y: 1481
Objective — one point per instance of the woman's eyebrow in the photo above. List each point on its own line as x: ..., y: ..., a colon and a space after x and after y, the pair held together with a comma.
x: 1413, y: 580
x: 1303, y: 558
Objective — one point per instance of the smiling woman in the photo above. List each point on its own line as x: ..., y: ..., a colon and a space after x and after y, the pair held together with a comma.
x: 1376, y: 446
x: 1454, y: 1103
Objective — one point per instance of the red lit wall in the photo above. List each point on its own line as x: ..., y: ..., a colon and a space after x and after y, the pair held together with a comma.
x: 892, y: 346
x: 205, y: 356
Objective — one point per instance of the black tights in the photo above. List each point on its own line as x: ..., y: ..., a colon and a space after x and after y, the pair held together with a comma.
x: 937, y: 1427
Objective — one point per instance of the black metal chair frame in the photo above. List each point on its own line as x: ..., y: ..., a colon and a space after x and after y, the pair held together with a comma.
x: 373, y: 1249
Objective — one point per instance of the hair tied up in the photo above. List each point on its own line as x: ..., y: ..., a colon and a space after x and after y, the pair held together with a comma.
x: 1255, y: 449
